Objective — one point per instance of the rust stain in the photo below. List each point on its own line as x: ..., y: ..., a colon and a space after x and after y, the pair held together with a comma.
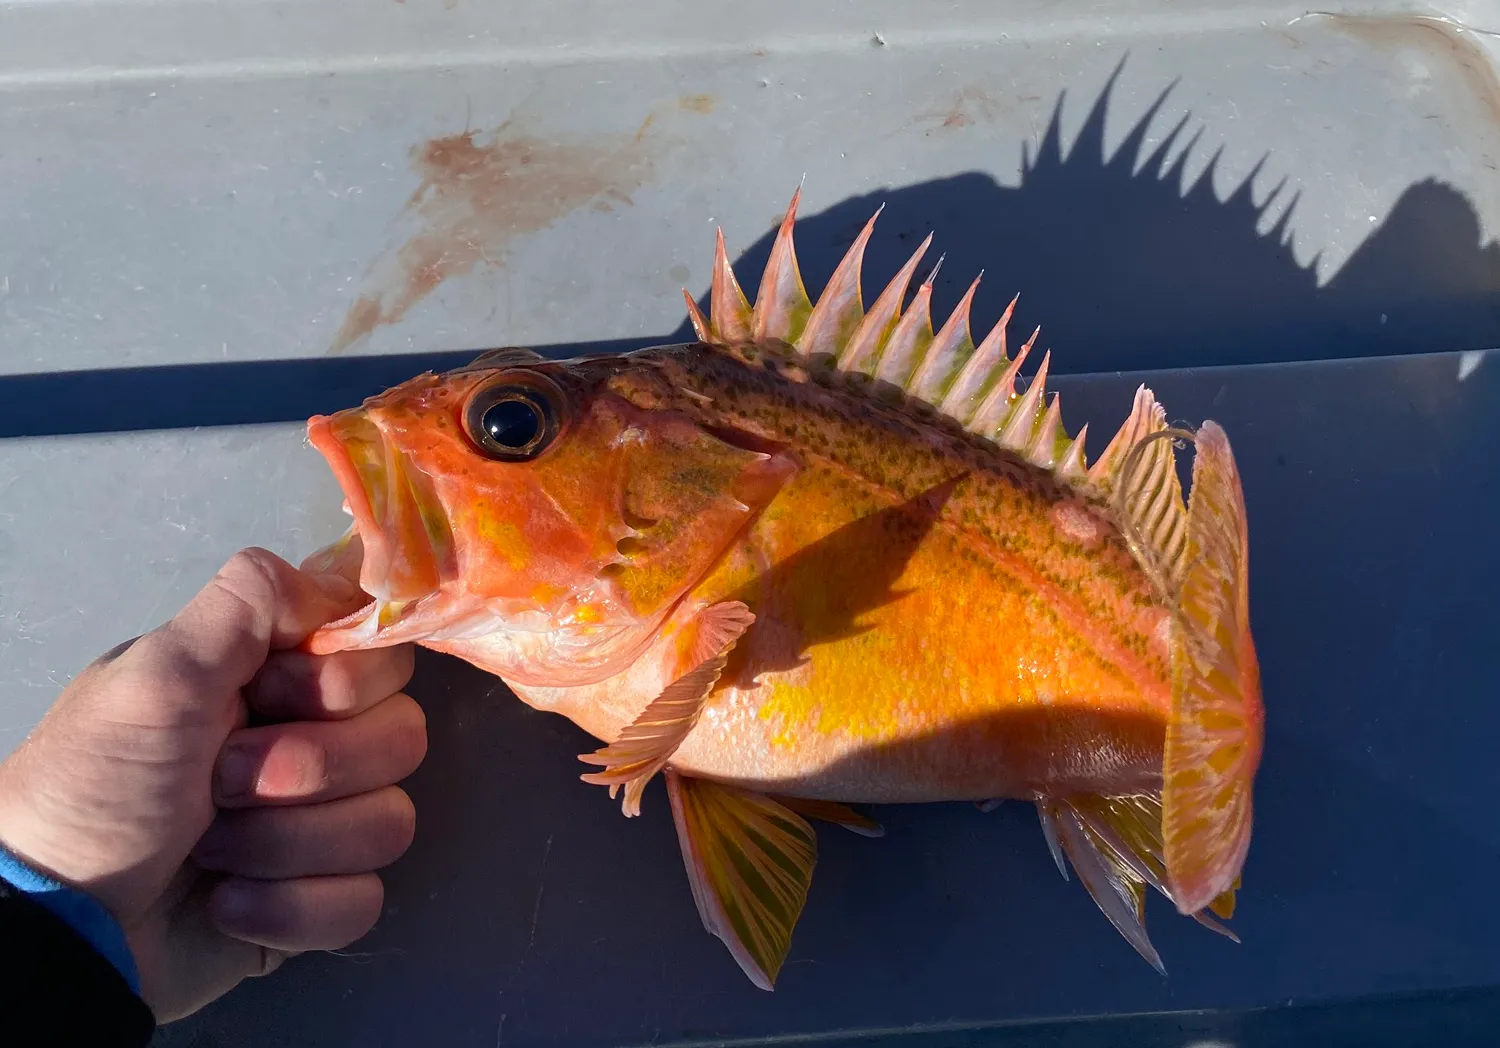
x: 475, y: 198
x: 697, y: 103
x: 969, y: 105
x: 1434, y: 36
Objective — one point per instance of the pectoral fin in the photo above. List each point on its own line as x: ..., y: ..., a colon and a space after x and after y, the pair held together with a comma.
x: 645, y: 746
x: 749, y: 861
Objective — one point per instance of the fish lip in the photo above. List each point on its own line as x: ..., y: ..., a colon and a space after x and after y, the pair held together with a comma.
x: 321, y: 436
x: 399, y: 562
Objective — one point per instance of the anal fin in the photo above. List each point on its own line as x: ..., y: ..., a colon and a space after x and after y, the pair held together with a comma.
x: 1115, y: 846
x: 647, y: 743
x: 749, y: 861
x: 1115, y: 885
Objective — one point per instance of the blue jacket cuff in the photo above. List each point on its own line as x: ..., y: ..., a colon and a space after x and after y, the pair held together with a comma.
x: 83, y: 913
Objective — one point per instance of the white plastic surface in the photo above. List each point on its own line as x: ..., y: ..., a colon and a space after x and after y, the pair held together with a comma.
x: 215, y: 186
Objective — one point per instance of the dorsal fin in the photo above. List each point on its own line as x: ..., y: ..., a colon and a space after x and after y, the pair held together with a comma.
x: 1138, y: 472
x: 976, y: 386
x: 949, y: 349
x: 726, y: 302
x: 781, y: 305
x: 863, y: 352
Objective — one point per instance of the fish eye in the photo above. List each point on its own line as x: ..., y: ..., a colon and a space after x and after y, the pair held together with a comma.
x: 512, y: 421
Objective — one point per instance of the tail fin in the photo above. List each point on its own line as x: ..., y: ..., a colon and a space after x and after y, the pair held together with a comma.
x: 1190, y: 842
x: 1215, y: 733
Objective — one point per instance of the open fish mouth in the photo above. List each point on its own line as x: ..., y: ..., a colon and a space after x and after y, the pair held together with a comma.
x: 400, y: 542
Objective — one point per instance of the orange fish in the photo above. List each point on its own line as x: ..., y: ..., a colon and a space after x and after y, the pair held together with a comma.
x: 821, y: 557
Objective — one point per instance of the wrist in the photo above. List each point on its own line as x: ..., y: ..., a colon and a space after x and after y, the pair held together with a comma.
x: 82, y: 912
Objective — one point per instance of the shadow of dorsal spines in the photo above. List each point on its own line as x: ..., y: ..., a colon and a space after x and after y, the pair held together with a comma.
x: 1128, y: 263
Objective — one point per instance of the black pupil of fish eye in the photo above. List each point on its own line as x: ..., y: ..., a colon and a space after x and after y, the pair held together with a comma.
x: 512, y: 424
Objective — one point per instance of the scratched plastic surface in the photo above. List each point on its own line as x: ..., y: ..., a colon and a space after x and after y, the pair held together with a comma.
x: 217, y: 219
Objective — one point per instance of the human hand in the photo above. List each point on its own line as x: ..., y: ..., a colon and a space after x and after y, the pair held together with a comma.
x: 222, y: 848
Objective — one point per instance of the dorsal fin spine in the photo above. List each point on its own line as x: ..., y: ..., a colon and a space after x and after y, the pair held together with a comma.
x: 864, y: 348
x: 909, y: 338
x: 728, y: 309
x: 971, y: 383
x: 781, y: 305
x: 701, y: 326
x: 949, y: 350
x: 996, y: 406
x: 1020, y: 424
x: 974, y: 385
x: 1045, y: 446
x: 839, y: 308
x: 1071, y: 464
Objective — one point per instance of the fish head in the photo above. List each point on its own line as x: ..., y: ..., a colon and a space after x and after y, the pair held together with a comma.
x: 553, y: 512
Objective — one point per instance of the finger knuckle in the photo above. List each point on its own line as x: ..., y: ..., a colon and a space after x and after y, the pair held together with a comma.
x: 400, y: 823
x: 282, y: 684
x: 338, y: 684
x: 411, y: 734
x: 405, y: 659
x: 362, y: 905
x: 252, y: 568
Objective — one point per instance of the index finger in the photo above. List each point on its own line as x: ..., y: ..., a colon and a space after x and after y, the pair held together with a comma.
x: 256, y: 604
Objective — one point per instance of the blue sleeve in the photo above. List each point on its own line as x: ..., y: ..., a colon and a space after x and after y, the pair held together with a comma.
x: 79, y: 910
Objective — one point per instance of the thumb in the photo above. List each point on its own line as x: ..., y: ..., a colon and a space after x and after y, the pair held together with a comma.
x: 114, y: 786
x: 256, y: 604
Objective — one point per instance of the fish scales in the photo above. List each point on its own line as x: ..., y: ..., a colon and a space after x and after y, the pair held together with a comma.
x: 998, y: 522
x: 821, y: 557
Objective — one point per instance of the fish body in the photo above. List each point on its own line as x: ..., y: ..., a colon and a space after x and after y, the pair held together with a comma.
x: 934, y: 619
x: 822, y: 557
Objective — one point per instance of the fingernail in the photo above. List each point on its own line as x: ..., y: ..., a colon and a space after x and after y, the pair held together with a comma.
x: 238, y: 769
